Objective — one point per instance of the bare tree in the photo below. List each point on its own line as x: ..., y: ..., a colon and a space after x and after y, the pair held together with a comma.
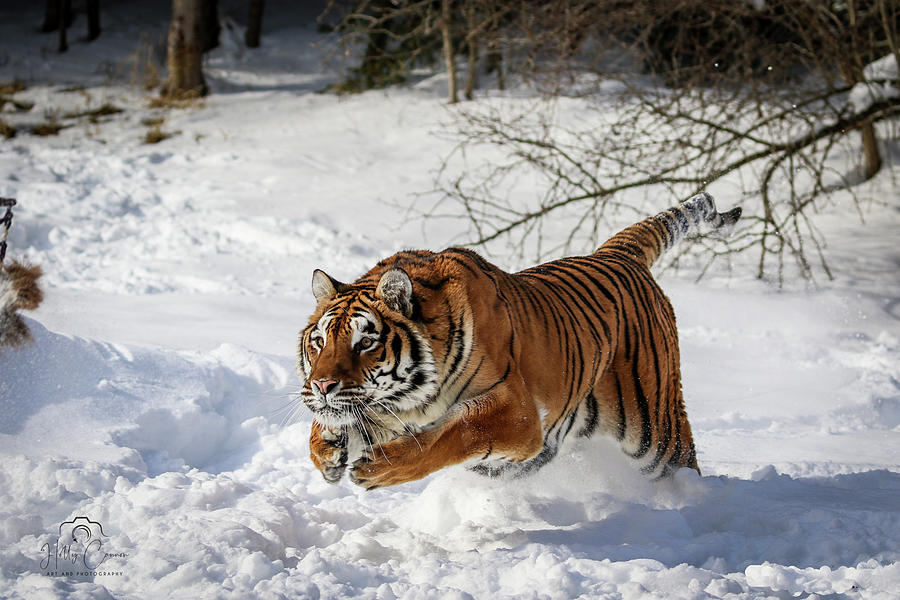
x: 396, y: 34
x: 93, y: 19
x: 254, y: 24
x: 400, y: 34
x: 449, y: 52
x: 484, y: 36
x: 471, y: 18
x: 184, y: 52
x: 209, y: 25
x: 765, y: 102
x: 52, y: 9
x: 58, y: 16
x: 65, y: 10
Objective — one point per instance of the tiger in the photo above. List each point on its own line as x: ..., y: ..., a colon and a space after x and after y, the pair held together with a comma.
x: 432, y: 359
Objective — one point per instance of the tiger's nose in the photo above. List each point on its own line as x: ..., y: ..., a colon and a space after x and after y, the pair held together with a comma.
x: 325, y: 385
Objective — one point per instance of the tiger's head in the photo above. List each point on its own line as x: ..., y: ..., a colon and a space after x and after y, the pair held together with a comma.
x: 362, y: 354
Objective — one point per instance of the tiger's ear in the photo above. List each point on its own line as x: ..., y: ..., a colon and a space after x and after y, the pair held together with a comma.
x: 324, y: 287
x: 395, y: 290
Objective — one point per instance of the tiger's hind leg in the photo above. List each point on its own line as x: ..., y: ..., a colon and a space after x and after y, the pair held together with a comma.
x: 685, y: 453
x: 651, y: 428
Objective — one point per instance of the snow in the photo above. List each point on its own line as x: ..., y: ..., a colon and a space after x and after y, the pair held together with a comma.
x: 881, y: 83
x: 156, y: 399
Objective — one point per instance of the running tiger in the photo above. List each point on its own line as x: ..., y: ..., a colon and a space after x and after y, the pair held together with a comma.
x: 434, y: 359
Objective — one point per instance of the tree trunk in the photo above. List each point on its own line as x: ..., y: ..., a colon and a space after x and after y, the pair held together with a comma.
x: 449, y: 54
x: 472, y: 43
x: 472, y: 75
x: 853, y: 74
x: 64, y: 5
x: 51, y: 15
x: 93, y: 19
x: 254, y: 24
x: 871, y: 153
x: 184, y: 55
x: 494, y: 54
x: 495, y: 63
x: 209, y: 25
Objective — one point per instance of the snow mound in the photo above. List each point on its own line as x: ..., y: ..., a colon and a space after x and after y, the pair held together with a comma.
x: 157, y: 410
x: 881, y: 83
x: 199, y: 494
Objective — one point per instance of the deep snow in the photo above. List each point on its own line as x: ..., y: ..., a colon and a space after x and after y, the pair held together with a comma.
x: 156, y: 400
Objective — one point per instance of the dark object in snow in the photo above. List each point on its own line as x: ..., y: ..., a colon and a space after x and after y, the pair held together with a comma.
x: 18, y: 288
x: 18, y: 291
x: 5, y: 222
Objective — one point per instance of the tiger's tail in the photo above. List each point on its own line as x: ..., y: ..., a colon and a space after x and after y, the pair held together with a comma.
x: 648, y: 239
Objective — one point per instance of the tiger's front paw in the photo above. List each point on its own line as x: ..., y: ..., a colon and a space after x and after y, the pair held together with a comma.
x: 328, y: 450
x: 398, y: 461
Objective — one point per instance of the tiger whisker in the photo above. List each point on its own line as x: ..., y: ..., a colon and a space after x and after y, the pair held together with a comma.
x: 286, y: 411
x: 362, y: 427
x: 291, y: 414
x: 406, y: 427
x: 359, y: 427
x: 283, y: 408
x: 365, y: 417
x: 356, y: 423
x: 369, y: 415
x: 360, y: 419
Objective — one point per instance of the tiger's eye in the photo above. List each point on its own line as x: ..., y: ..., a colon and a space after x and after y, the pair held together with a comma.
x: 365, y: 343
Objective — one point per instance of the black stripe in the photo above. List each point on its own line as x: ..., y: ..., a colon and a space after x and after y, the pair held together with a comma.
x: 644, y: 408
x: 620, y: 432
x: 589, y: 263
x: 456, y: 338
x: 532, y: 465
x: 662, y: 445
x: 469, y: 380
x: 465, y: 264
x: 628, y: 278
x: 564, y: 272
x: 569, y: 357
x: 531, y: 296
x: 582, y: 271
x: 569, y: 423
x: 592, y: 418
x: 464, y: 351
x: 431, y: 285
x: 499, y: 381
x: 397, y: 349
x: 637, y: 285
x: 451, y: 332
x: 674, y: 459
x: 541, y: 299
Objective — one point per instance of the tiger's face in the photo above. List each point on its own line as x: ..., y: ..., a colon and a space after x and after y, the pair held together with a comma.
x: 362, y: 357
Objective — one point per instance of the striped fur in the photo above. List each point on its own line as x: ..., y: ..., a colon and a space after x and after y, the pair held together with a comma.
x: 19, y: 290
x: 432, y: 359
